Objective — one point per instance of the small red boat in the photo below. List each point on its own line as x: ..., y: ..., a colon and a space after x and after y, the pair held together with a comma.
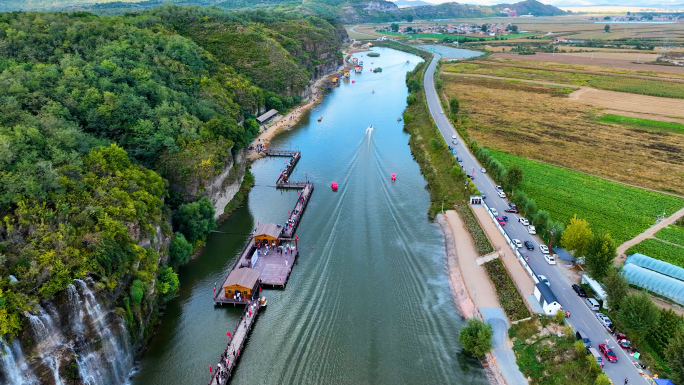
x: 334, y: 186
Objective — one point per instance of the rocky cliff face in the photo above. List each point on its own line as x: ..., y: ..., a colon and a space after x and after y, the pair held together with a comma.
x: 222, y: 188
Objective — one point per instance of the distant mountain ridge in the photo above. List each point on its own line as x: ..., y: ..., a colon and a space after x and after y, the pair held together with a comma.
x: 348, y: 11
x: 411, y: 3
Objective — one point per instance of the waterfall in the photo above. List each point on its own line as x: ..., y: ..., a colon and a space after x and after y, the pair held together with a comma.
x: 13, y: 367
x: 48, y: 339
x: 104, y: 359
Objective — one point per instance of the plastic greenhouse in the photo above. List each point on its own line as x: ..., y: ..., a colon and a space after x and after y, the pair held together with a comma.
x: 655, y: 282
x: 656, y: 265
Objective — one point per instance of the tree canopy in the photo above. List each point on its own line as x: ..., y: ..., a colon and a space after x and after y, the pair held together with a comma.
x: 476, y: 337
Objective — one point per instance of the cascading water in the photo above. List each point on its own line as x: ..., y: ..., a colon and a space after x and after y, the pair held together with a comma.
x: 107, y: 360
x: 13, y: 367
x: 96, y: 339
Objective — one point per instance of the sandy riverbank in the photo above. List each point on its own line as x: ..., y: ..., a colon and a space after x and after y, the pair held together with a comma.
x: 292, y: 118
x: 466, y: 276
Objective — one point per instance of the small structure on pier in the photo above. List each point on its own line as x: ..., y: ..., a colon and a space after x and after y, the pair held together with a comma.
x: 267, y: 116
x: 241, y: 285
x: 358, y: 69
x: 267, y: 234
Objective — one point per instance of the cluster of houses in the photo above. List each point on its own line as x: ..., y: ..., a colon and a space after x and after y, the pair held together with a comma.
x: 633, y: 17
x: 495, y: 29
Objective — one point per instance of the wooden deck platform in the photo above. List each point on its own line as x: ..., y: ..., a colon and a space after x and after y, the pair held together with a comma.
x: 223, y: 370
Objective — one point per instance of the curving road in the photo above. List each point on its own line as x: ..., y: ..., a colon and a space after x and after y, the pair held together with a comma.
x: 582, y: 318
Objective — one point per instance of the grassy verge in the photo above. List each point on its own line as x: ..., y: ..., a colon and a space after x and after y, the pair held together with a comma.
x: 672, y: 234
x: 658, y: 249
x: 482, y: 244
x: 509, y: 297
x: 653, y: 125
x: 549, y: 359
x: 622, y: 210
x: 605, y: 82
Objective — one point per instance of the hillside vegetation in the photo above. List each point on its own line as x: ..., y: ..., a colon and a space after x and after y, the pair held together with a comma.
x: 110, y: 128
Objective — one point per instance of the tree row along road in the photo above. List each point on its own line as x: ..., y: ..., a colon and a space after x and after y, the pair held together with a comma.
x: 582, y: 318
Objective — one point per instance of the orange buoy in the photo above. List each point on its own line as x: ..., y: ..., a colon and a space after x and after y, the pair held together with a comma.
x: 394, y: 177
x: 334, y: 186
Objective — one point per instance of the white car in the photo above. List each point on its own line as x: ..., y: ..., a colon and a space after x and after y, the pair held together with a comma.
x: 544, y: 249
x: 517, y: 243
x: 542, y: 278
x: 494, y: 212
x: 501, y: 194
x: 531, y: 230
x: 550, y: 259
x: 498, y: 188
x: 524, y: 221
x: 483, y: 170
x: 453, y: 137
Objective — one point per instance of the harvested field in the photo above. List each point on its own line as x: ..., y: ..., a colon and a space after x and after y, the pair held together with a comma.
x: 533, y: 123
x: 652, y: 106
x: 573, y: 58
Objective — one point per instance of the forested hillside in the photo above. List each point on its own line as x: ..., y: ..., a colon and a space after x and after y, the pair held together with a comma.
x: 110, y: 127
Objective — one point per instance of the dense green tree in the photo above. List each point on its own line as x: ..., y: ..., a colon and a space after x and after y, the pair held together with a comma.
x: 168, y: 283
x: 606, y: 29
x: 454, y: 105
x: 179, y: 250
x: 669, y: 324
x: 616, y: 288
x: 195, y: 220
x: 476, y: 337
x: 675, y: 356
x: 409, y: 18
x: 137, y: 291
x: 514, y: 176
x: 394, y: 27
x: 600, y: 253
x: 639, y: 315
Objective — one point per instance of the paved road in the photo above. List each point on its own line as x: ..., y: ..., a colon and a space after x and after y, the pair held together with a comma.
x: 582, y: 318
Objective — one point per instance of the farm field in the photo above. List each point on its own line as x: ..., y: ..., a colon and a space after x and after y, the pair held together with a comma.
x: 652, y: 107
x: 647, y: 124
x: 607, y: 60
x: 672, y: 234
x: 657, y: 249
x: 624, y: 211
x: 538, y: 122
x: 667, y: 89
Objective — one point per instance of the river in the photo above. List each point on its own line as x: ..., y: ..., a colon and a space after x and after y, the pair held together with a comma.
x: 368, y: 301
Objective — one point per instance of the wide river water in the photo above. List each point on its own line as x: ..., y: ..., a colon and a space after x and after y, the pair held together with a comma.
x: 368, y: 301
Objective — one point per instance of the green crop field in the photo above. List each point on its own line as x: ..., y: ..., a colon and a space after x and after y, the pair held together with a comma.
x: 623, y: 211
x: 672, y: 234
x: 455, y: 37
x: 605, y: 82
x: 657, y: 249
x: 654, y: 125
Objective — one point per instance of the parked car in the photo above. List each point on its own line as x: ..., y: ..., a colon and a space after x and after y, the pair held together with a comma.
x: 542, y: 278
x: 582, y: 336
x: 514, y: 211
x: 505, y: 218
x: 512, y: 205
x: 501, y: 194
x: 454, y: 136
x: 459, y: 159
x: 622, y: 341
x: 550, y: 259
x: 597, y: 356
x: 454, y: 141
x: 524, y: 221
x: 498, y: 188
x: 592, y: 303
x: 605, y: 321
x: 531, y: 230
x: 517, y: 243
x: 494, y: 212
x: 529, y: 245
x: 608, y: 352
x: 483, y: 170
x: 544, y: 249
x: 501, y: 221
x: 579, y: 290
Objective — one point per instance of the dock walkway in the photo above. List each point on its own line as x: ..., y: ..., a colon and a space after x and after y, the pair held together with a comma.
x: 224, y: 368
x: 274, y: 264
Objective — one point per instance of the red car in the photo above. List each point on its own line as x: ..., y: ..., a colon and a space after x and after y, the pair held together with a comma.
x: 512, y: 210
x: 501, y: 221
x: 608, y: 352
